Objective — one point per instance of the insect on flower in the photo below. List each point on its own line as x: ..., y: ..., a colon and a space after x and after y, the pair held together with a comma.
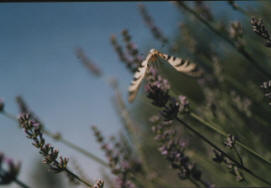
x: 154, y: 56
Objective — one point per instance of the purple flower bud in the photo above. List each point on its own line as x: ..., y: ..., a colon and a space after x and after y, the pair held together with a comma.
x: 2, y: 105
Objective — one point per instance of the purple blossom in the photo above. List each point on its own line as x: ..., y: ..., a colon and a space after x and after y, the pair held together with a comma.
x: 121, y: 163
x: 2, y: 105
x: 34, y: 132
x: 10, y: 174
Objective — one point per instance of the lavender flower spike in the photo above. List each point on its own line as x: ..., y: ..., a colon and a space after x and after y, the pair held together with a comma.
x: 2, y: 105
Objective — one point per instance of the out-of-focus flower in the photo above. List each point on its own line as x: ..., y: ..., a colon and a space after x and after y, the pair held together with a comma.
x: 230, y: 141
x: 10, y: 174
x: 124, y: 57
x: 236, y: 33
x: 233, y: 4
x: 132, y: 48
x: 243, y: 104
x: 157, y: 33
x: 2, y: 105
x: 172, y: 148
x: 120, y: 161
x: 87, y: 62
x: 236, y: 30
x: 267, y: 89
x: 221, y: 158
x: 204, y: 10
x: 99, y: 184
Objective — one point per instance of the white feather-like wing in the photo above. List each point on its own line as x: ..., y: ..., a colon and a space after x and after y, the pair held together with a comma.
x: 181, y: 65
x: 138, y: 78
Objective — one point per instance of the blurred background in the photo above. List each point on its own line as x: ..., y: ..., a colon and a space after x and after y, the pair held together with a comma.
x: 38, y: 62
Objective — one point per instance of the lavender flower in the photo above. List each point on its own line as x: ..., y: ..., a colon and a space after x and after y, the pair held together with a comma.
x: 2, y: 105
x: 173, y: 147
x: 131, y: 48
x: 124, y: 57
x: 157, y: 88
x: 230, y: 141
x: 233, y: 4
x: 24, y: 109
x: 120, y: 162
x: 33, y: 132
x: 266, y: 86
x: 236, y: 33
x: 204, y: 10
x: 242, y: 104
x: 221, y: 158
x: 149, y: 22
x: 259, y: 28
x: 10, y: 174
x: 87, y: 62
x: 99, y: 184
x: 236, y: 30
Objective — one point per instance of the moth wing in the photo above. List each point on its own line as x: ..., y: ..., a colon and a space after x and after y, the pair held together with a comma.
x: 137, y: 80
x: 181, y: 65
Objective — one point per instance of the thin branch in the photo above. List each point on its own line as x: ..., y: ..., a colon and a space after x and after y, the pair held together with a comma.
x: 20, y: 183
x: 221, y: 151
x: 207, y: 124
x: 237, y: 8
x: 78, y: 178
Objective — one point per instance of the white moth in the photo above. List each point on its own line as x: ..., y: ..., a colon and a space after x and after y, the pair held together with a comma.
x: 181, y: 65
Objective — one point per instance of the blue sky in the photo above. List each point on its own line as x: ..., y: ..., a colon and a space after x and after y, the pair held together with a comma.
x: 37, y: 61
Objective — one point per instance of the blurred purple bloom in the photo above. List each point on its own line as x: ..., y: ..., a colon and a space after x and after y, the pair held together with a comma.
x: 2, y: 105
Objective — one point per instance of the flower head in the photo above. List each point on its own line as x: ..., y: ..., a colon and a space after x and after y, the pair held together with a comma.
x: 10, y: 174
x: 2, y: 105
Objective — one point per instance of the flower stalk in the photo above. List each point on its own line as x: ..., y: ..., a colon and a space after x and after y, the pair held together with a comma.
x: 52, y: 158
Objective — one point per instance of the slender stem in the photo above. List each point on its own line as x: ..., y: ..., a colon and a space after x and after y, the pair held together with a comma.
x: 194, y: 182
x: 78, y: 178
x: 75, y: 147
x: 243, y: 11
x: 207, y: 124
x: 242, y: 51
x: 238, y: 154
x: 221, y: 151
x: 9, y: 115
x: 64, y: 141
x: 17, y: 181
x: 20, y: 183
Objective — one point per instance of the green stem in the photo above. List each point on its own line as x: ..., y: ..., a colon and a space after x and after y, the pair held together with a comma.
x: 194, y: 182
x: 242, y: 51
x: 20, y: 183
x: 238, y: 155
x: 207, y: 124
x: 241, y: 10
x: 221, y: 151
x: 78, y: 178
x: 64, y: 141
x: 9, y: 115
